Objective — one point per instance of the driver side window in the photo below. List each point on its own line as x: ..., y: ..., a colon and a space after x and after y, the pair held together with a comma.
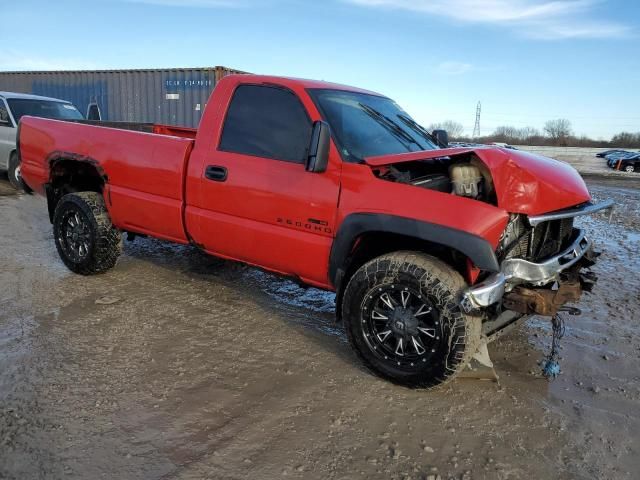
x: 267, y: 122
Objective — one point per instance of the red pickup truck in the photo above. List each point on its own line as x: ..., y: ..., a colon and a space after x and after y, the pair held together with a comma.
x: 431, y: 250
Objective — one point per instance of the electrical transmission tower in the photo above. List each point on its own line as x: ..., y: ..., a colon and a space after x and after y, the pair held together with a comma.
x: 476, y: 128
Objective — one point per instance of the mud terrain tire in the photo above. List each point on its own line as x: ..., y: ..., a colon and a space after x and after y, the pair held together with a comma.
x: 86, y: 240
x: 424, y: 292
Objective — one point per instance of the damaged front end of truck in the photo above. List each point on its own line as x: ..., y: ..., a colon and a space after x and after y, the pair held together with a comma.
x: 544, y: 258
x: 544, y: 265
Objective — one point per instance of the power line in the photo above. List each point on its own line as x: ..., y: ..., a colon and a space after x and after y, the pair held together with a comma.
x: 476, y: 128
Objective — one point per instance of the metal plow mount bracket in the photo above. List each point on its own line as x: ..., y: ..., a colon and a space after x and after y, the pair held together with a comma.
x: 480, y: 367
x: 545, y: 301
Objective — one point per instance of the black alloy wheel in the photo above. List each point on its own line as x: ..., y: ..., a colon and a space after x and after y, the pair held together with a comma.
x: 401, y: 324
x: 74, y: 235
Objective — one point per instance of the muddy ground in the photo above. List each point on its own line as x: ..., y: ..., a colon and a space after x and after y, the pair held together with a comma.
x: 179, y: 366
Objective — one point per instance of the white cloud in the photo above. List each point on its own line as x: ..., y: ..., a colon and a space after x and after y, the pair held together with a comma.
x: 14, y: 60
x: 579, y: 29
x: 453, y: 68
x: 547, y: 20
x: 194, y: 3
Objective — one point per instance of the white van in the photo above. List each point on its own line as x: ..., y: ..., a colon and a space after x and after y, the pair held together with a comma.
x: 12, y: 107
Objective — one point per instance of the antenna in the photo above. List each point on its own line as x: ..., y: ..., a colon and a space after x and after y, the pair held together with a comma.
x: 476, y: 128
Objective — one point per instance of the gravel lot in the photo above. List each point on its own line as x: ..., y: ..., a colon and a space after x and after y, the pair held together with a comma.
x: 175, y: 365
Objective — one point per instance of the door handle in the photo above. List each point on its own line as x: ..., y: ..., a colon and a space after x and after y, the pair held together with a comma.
x: 216, y: 173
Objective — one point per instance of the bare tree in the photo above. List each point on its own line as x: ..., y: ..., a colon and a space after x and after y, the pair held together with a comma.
x: 528, y: 132
x: 454, y: 129
x: 558, y: 130
x: 626, y: 140
x: 506, y: 132
x: 509, y: 134
x: 532, y: 136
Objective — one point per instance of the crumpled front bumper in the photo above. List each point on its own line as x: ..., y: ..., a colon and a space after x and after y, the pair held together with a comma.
x: 515, y: 271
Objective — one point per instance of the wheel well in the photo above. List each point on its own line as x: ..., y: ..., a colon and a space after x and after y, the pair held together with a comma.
x: 374, y: 244
x: 72, y: 175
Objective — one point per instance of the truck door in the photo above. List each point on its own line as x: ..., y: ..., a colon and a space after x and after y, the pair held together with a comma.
x: 7, y: 135
x: 257, y: 203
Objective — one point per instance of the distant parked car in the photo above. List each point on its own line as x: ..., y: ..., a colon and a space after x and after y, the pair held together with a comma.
x: 504, y: 145
x: 466, y: 145
x: 613, y: 158
x: 479, y: 145
x: 13, y: 106
x: 629, y: 163
x: 606, y: 153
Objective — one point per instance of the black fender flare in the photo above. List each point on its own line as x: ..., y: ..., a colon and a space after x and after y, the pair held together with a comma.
x: 474, y: 247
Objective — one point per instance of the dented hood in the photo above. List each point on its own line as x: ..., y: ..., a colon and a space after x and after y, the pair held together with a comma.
x: 524, y: 182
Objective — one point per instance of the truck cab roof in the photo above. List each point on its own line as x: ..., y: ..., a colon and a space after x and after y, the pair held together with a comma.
x: 293, y: 83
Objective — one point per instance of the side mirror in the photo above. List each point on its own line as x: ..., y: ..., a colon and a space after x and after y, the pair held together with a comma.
x: 318, y: 158
x: 442, y: 138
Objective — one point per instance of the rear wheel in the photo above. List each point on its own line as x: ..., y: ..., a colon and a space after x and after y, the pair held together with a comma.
x: 402, y: 316
x: 15, y: 178
x: 86, y: 240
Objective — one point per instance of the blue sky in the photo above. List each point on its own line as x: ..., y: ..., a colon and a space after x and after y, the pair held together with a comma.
x: 527, y: 61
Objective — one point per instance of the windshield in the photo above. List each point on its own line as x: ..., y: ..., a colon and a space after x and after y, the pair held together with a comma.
x: 42, y: 108
x: 368, y: 125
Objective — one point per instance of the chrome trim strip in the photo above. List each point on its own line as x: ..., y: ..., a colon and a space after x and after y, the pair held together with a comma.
x: 572, y: 212
x: 485, y: 293
x: 516, y: 270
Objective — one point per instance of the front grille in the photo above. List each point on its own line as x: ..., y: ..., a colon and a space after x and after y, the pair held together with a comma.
x: 544, y: 240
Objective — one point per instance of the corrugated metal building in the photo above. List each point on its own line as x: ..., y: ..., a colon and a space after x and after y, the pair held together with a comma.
x: 174, y: 96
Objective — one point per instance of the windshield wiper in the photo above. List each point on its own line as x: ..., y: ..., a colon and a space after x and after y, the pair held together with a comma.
x: 415, y: 126
x: 389, y: 124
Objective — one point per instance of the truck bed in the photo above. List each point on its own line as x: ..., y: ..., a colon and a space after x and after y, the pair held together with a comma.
x: 145, y: 165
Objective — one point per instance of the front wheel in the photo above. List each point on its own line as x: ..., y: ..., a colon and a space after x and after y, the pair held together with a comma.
x: 629, y: 169
x: 403, y: 318
x: 86, y: 240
